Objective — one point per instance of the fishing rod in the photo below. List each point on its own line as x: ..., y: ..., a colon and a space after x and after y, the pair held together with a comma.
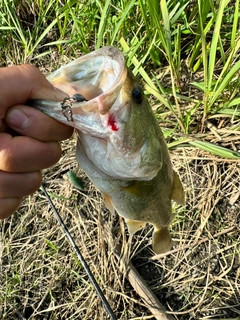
x: 80, y: 257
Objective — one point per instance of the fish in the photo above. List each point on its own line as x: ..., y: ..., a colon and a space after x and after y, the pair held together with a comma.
x: 120, y: 145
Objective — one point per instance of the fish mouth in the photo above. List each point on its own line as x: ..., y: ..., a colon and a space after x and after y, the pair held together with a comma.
x: 97, y: 76
x: 101, y: 116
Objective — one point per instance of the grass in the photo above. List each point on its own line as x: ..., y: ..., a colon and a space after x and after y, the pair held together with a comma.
x: 186, y: 54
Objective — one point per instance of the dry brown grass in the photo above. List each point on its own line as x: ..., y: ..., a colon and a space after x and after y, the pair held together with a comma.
x: 41, y: 278
x: 198, y: 279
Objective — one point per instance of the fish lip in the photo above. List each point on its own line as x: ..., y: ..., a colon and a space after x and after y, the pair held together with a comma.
x: 112, y: 58
x: 100, y: 104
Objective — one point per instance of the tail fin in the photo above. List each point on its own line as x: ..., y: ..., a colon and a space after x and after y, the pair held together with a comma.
x: 162, y: 241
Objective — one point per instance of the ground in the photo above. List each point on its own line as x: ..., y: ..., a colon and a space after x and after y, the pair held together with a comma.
x: 197, y: 279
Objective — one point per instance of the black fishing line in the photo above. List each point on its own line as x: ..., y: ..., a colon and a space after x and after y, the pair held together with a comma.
x: 80, y: 258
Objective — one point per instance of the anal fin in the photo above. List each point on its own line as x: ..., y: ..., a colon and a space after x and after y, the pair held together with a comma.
x: 134, y: 226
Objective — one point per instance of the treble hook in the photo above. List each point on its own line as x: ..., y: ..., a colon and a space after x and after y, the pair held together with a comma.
x: 67, y: 103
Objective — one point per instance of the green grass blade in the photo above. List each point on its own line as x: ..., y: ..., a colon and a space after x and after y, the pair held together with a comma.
x: 145, y: 57
x: 231, y: 112
x: 214, y: 43
x: 227, y: 65
x: 175, y: 14
x: 122, y: 19
x: 204, y: 52
x: 181, y: 141
x: 160, y: 98
x: 194, y: 62
x: 224, y: 83
x: 167, y: 30
x: 135, y: 61
x: 150, y: 86
x: 45, y: 32
x: 232, y: 103
x: 103, y: 23
x: 235, y: 25
x: 177, y: 52
x: 156, y: 24
x: 216, y: 150
x: 7, y: 28
x: 14, y: 19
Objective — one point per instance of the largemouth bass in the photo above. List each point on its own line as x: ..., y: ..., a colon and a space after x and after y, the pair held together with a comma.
x: 120, y: 145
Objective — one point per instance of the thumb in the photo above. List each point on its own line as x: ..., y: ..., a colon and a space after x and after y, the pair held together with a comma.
x: 22, y: 83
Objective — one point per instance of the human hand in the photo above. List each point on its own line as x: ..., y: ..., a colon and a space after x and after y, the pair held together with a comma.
x: 22, y: 157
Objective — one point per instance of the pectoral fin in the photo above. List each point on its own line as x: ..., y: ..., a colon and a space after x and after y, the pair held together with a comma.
x: 134, y: 226
x: 108, y: 202
x: 162, y: 241
x: 177, y: 189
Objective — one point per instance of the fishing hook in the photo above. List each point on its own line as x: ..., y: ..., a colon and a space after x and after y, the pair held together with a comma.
x: 66, y: 105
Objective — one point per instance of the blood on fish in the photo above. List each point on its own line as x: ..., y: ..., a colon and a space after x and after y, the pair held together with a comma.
x: 112, y: 122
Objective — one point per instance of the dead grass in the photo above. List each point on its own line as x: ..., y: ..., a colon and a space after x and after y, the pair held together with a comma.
x: 41, y: 279
x: 197, y: 279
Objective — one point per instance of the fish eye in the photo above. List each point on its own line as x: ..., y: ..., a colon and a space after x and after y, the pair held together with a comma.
x: 137, y: 95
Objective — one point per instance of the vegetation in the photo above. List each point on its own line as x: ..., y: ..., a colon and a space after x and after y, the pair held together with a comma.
x: 186, y: 54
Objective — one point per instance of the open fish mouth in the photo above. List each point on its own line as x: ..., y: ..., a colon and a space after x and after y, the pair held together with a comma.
x: 108, y: 108
x: 97, y: 76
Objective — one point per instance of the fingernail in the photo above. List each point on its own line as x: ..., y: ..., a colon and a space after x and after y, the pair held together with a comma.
x: 17, y: 119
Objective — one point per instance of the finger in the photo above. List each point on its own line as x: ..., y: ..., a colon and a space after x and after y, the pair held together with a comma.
x: 8, y: 206
x: 15, y: 185
x: 32, y: 155
x: 33, y: 123
x: 21, y: 83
